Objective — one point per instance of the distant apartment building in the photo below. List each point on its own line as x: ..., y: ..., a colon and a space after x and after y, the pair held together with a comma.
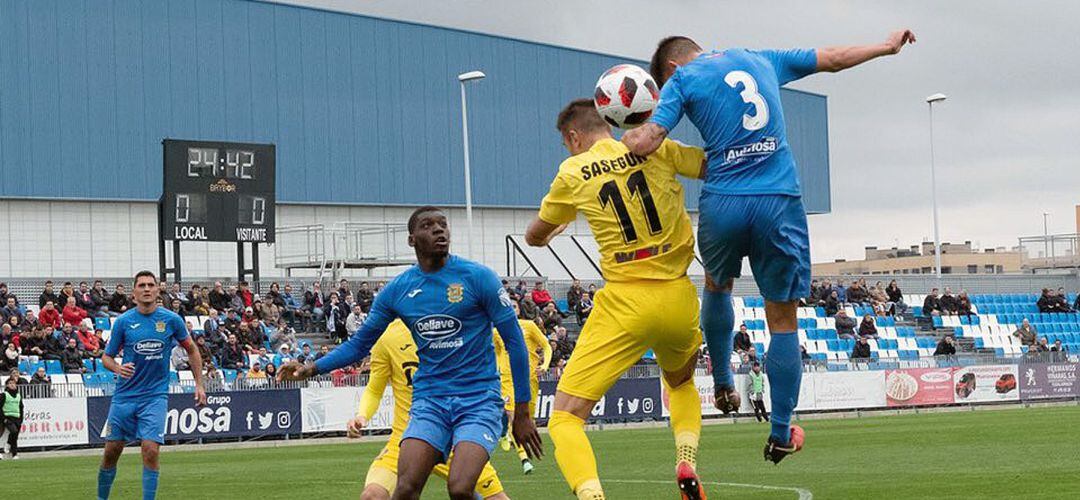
x: 919, y: 259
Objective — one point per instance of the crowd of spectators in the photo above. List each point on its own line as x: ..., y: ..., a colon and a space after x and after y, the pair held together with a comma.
x: 1054, y: 302
x: 947, y: 304
x: 884, y: 300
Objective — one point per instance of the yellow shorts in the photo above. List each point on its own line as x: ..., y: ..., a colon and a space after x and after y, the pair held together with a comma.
x: 627, y: 320
x: 383, y: 472
x: 507, y: 384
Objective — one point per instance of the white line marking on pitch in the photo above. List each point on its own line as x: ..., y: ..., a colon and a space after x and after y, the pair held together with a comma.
x: 804, y: 494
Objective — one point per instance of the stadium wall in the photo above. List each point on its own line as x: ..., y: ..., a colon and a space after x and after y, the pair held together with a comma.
x: 365, y: 112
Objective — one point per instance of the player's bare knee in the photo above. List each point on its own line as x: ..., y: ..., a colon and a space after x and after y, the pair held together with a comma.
x: 573, y: 405
x: 113, y: 450
x: 150, y: 453
x: 374, y: 492
x: 460, y: 489
x: 782, y: 316
x: 724, y: 286
x: 498, y: 496
x: 406, y: 490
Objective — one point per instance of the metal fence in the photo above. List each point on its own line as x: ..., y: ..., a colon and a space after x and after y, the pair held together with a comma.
x: 639, y: 371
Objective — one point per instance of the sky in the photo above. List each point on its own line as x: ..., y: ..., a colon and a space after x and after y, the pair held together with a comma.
x: 1007, y: 140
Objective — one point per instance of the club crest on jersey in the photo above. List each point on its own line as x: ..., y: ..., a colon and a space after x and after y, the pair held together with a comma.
x: 455, y: 293
x: 159, y: 327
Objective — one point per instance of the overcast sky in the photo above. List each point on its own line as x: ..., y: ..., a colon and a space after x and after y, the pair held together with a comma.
x: 1007, y: 140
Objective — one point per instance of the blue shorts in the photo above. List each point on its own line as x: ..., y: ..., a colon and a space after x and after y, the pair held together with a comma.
x: 446, y: 421
x: 137, y: 420
x: 770, y: 229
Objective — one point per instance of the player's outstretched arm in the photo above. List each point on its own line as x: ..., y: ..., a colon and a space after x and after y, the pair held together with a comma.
x: 540, y: 232
x: 833, y: 59
x: 646, y: 139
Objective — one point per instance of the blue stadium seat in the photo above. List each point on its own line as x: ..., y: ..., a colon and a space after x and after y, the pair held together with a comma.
x: 88, y: 364
x: 229, y: 375
x: 836, y: 367
x: 979, y: 343
x: 24, y: 365
x: 818, y: 356
x: 52, y: 367
x: 562, y: 305
x: 819, y: 311
x: 833, y: 345
x: 102, y: 323
x: 937, y: 321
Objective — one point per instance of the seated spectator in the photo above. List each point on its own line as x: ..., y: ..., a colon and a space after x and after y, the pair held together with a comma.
x: 179, y: 359
x: 529, y: 310
x: 1044, y: 301
x: 815, y: 293
x: 48, y: 295
x: 931, y: 305
x: 305, y: 355
x: 40, y: 377
x: 355, y: 319
x: 564, y: 347
x: 949, y: 303
x: 841, y: 291
x: 16, y: 325
x: 323, y: 351
x: 832, y: 303
x: 268, y: 310
x: 963, y: 304
x: 1076, y: 303
x: 99, y: 297
x: 205, y: 353
x: 510, y: 291
x: 90, y: 341
x: 284, y: 354
x: 742, y: 339
x: 54, y: 348
x: 584, y: 307
x: 896, y: 298
x: 11, y: 308
x: 71, y: 358
x: 10, y: 359
x: 1026, y: 332
x: 856, y: 294
x: 49, y: 315
x: 72, y: 313
x: 540, y: 295
x: 245, y: 294
x: 84, y: 300
x: 868, y: 327
x: 1051, y: 302
x: 283, y: 334
x: 551, y: 318
x: 365, y: 297
x: 878, y: 297
x: 946, y: 346
x: 861, y: 351
x: 212, y: 321
x: 236, y: 301
x: 1058, y: 347
x: 175, y: 294
x: 4, y: 294
x: 32, y: 344
x: 176, y: 306
x: 248, y: 315
x: 336, y: 315
x: 845, y: 325
x: 119, y: 302
x: 7, y: 334
x: 1041, y: 346
x: 748, y: 357
x: 290, y: 306
x: 200, y: 300
x: 232, y: 355
x: 573, y: 295
x: 218, y: 298
x: 255, y: 372
x: 1060, y: 303
x: 521, y: 289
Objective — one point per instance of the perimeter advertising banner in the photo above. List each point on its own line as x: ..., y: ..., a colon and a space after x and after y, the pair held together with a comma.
x: 629, y: 399
x: 328, y: 409
x: 226, y: 414
x: 846, y: 390
x: 1056, y: 380
x: 919, y: 387
x: 979, y: 384
x: 53, y: 422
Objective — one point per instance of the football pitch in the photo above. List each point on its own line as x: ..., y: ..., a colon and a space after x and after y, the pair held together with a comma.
x: 1000, y: 453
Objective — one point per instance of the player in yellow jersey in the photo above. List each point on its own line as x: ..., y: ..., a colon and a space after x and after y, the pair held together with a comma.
x: 635, y: 208
x: 536, y: 343
x: 394, y: 360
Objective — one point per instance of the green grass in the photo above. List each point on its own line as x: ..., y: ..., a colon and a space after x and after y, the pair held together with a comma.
x: 1016, y: 453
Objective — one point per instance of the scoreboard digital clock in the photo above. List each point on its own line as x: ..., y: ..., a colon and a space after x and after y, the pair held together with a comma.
x: 218, y: 191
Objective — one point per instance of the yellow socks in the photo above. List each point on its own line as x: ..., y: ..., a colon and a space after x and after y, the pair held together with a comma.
x: 685, y: 406
x: 575, y: 456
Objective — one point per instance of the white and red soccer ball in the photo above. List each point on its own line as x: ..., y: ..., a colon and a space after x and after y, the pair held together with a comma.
x: 626, y: 96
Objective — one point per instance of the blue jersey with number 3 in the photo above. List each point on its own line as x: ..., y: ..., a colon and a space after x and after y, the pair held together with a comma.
x: 733, y: 98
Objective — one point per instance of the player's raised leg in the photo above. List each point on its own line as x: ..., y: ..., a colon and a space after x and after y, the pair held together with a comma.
x: 718, y: 325
x: 780, y: 260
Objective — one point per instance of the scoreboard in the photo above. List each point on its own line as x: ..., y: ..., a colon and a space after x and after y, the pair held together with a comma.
x: 217, y: 191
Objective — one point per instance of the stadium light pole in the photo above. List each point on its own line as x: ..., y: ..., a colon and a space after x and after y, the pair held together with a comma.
x: 463, y: 79
x: 1046, y: 236
x: 933, y: 186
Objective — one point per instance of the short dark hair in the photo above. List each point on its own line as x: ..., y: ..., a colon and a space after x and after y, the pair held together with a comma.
x: 580, y: 115
x: 668, y: 49
x: 414, y: 218
x: 142, y: 274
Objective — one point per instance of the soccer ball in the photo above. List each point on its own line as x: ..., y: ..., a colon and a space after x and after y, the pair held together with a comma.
x: 626, y: 96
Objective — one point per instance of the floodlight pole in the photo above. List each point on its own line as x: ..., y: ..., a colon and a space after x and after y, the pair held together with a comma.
x: 462, y: 78
x: 933, y: 187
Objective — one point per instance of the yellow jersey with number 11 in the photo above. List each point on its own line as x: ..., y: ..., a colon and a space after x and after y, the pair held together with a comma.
x: 635, y: 207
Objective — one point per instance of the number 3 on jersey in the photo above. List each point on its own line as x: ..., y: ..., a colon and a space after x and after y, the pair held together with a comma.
x: 636, y: 185
x: 749, y: 95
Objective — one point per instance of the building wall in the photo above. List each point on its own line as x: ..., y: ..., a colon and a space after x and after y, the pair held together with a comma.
x: 1008, y: 262
x: 116, y: 239
x: 362, y: 110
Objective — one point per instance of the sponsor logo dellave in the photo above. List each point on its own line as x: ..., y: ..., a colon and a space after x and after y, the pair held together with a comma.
x: 764, y: 147
x: 437, y: 326
x: 149, y: 346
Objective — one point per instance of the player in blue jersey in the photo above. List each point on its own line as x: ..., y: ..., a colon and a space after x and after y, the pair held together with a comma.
x: 144, y: 336
x: 750, y: 204
x: 450, y: 305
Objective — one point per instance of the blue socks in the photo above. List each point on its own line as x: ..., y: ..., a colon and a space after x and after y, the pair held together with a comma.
x: 104, y: 482
x: 718, y: 325
x: 783, y: 365
x: 149, y: 484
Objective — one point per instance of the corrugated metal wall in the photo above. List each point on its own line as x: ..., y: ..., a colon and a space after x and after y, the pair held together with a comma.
x: 363, y: 110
